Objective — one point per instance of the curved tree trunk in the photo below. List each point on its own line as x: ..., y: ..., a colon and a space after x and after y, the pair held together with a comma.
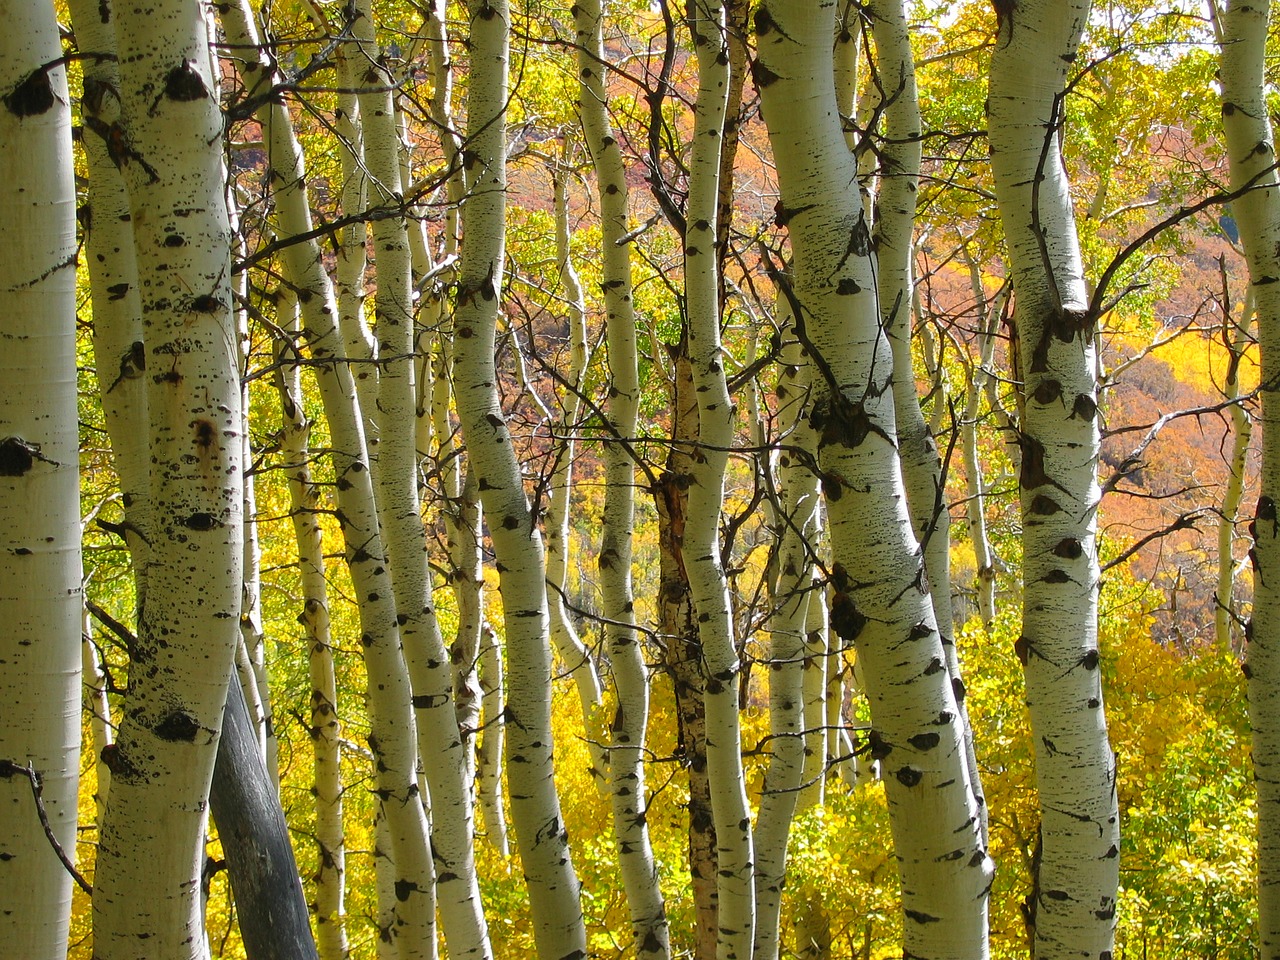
x: 1072, y: 910
x: 1251, y: 154
x: 40, y: 593
x: 881, y: 598
x: 541, y: 833
x: 629, y: 728
x: 149, y: 856
x: 708, y: 584
x: 326, y: 728
x: 894, y: 245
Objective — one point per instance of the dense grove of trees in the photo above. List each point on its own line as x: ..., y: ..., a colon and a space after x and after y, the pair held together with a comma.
x: 740, y: 480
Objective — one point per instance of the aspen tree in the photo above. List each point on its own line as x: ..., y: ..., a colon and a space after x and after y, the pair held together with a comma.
x: 978, y: 375
x: 40, y: 591
x: 880, y: 598
x: 541, y: 833
x: 462, y: 512
x: 629, y: 727
x: 392, y: 733
x: 789, y: 666
x: 326, y: 727
x: 113, y: 278
x: 572, y: 651
x: 682, y: 656
x: 492, y: 745
x: 1251, y: 156
x: 440, y: 744
x: 149, y: 855
x: 1072, y: 907
x: 729, y: 807
x: 892, y: 237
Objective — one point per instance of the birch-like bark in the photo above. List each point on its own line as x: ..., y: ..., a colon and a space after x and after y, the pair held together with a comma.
x: 572, y: 651
x: 257, y: 688
x: 629, y: 727
x: 149, y: 856
x: 707, y: 581
x: 328, y: 906
x: 1072, y: 910
x: 113, y: 279
x: 392, y: 724
x: 881, y: 599
x: 979, y: 375
x: 683, y: 651
x: 40, y: 592
x: 98, y: 709
x: 541, y: 833
x: 892, y: 239
x: 1251, y: 156
x: 440, y: 744
x: 1235, y: 335
x: 793, y: 593
x: 492, y: 741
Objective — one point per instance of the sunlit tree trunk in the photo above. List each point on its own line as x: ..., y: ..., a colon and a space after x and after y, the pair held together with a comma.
x: 629, y: 726
x: 149, y: 856
x: 40, y: 594
x: 440, y: 744
x: 1235, y: 336
x: 1073, y: 909
x: 326, y: 728
x: 541, y: 833
x: 1251, y: 155
x: 573, y: 653
x: 707, y: 581
x: 492, y: 741
x: 682, y: 656
x: 392, y: 726
x: 789, y: 664
x: 893, y: 242
x: 881, y: 598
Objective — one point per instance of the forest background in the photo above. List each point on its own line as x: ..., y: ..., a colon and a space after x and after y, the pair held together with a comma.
x: 1177, y: 375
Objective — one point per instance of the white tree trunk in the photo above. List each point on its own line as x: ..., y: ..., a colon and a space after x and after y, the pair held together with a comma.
x: 573, y: 653
x: 1251, y: 154
x: 789, y: 665
x: 329, y: 905
x: 393, y: 730
x: 881, y: 599
x: 151, y: 848
x: 1074, y: 900
x: 40, y: 593
x: 894, y: 244
x: 707, y: 581
x: 541, y: 833
x: 629, y: 727
x: 492, y: 741
x: 440, y: 744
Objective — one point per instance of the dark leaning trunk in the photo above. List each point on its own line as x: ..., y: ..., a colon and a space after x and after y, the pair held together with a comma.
x: 272, y: 910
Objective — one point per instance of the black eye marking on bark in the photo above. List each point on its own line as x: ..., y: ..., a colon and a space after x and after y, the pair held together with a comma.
x: 206, y: 303
x: 17, y: 456
x: 32, y: 96
x: 909, y: 777
x: 201, y: 521
x: 925, y: 741
x: 177, y: 727
x: 205, y: 434
x: 184, y: 84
